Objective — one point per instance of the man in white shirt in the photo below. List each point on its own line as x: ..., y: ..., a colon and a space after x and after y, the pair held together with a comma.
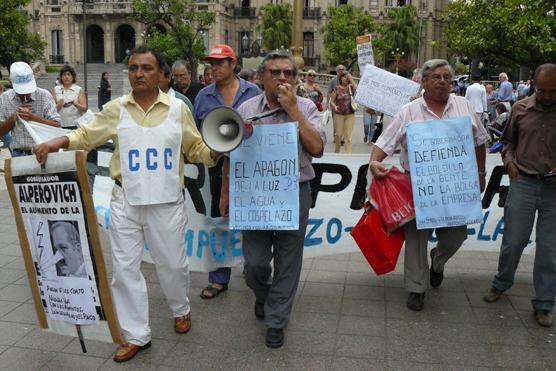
x: 477, y: 96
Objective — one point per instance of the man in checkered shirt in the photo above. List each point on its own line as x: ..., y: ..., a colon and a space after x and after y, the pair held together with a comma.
x: 27, y: 102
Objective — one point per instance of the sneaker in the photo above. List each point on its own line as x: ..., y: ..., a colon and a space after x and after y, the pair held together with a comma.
x: 436, y: 277
x: 416, y: 301
x: 492, y: 295
x: 543, y: 317
x: 274, y: 337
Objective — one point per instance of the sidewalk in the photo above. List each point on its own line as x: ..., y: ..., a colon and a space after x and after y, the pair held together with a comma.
x: 344, y: 318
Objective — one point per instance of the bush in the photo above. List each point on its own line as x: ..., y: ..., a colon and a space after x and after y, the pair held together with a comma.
x: 53, y: 68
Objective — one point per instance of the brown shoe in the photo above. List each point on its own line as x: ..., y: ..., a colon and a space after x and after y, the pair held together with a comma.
x: 492, y: 295
x: 182, y: 324
x: 127, y: 351
x: 543, y: 318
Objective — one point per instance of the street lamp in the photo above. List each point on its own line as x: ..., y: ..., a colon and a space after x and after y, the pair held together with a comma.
x: 84, y: 37
x: 397, y: 55
x: 244, y: 43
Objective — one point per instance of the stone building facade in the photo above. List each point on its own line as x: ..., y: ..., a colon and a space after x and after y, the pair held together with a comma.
x: 110, y: 31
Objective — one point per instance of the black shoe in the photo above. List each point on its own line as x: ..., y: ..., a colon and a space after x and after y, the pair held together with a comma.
x: 365, y: 140
x: 274, y: 337
x: 259, y: 310
x: 416, y: 301
x: 343, y: 142
x: 436, y: 277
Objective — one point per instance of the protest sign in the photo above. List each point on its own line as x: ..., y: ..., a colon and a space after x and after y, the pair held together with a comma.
x: 58, y: 234
x: 264, y: 173
x: 444, y: 173
x: 365, y: 54
x: 384, y: 91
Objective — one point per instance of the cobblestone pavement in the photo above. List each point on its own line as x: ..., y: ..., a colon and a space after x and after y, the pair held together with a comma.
x: 344, y: 318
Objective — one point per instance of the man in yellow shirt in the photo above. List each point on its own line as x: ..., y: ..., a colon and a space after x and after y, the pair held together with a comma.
x: 151, y: 132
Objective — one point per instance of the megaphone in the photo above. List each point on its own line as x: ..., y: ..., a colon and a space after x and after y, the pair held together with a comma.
x: 223, y: 129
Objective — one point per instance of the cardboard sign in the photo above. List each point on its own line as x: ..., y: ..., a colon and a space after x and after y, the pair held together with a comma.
x: 384, y: 91
x: 58, y: 234
x: 444, y: 175
x: 264, y: 182
x: 365, y: 54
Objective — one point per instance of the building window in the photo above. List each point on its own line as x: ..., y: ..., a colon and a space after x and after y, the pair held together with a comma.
x: 373, y: 4
x: 205, y: 36
x: 308, y: 44
x: 57, y: 43
x: 391, y: 3
x: 341, y: 2
x: 244, y: 41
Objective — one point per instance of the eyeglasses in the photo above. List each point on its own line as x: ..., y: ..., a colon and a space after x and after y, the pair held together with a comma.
x: 441, y: 77
x: 276, y: 73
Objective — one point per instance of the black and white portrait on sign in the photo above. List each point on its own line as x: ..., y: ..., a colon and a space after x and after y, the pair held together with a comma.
x: 66, y: 246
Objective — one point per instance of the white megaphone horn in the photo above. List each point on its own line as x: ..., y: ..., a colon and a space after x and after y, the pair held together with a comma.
x: 223, y: 129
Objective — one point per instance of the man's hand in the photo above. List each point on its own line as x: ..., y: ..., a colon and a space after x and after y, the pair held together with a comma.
x: 224, y: 205
x: 482, y: 181
x: 287, y: 98
x: 512, y: 170
x: 378, y: 170
x: 54, y: 145
x: 25, y: 111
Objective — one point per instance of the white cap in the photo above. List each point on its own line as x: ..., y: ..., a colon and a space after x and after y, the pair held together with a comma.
x: 22, y: 78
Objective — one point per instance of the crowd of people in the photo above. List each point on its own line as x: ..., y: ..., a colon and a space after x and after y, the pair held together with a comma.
x: 164, y: 110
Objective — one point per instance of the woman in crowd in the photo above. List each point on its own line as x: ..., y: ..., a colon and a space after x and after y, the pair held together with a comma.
x: 207, y: 76
x: 344, y: 115
x: 105, y: 91
x: 310, y: 89
x: 71, y: 101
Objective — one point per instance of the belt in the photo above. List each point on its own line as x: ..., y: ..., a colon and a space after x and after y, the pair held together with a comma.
x: 118, y: 183
x: 23, y: 151
x: 535, y: 176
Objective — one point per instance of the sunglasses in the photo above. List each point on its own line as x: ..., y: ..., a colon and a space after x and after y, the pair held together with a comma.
x: 277, y: 73
x: 311, y: 75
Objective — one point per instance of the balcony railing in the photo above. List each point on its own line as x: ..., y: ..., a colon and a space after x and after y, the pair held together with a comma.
x: 312, y: 13
x: 57, y: 59
x: 101, y: 7
x: 245, y: 12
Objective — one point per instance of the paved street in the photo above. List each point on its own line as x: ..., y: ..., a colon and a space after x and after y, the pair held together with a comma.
x: 344, y: 318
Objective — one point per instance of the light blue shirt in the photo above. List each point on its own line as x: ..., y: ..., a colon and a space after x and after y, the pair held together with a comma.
x: 505, y: 91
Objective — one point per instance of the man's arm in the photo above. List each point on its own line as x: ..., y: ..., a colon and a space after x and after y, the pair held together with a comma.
x: 378, y: 170
x: 25, y: 112
x: 309, y: 136
x: 53, y: 145
x: 224, y: 204
x: 480, y: 155
x: 510, y: 138
x: 7, y: 125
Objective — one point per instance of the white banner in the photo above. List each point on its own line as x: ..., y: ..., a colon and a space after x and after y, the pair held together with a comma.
x: 384, y: 91
x: 365, y: 54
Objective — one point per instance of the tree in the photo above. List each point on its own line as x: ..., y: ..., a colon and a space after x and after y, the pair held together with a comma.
x: 503, y: 32
x: 16, y: 42
x: 276, y: 25
x: 345, y: 23
x: 403, y: 29
x: 183, y: 23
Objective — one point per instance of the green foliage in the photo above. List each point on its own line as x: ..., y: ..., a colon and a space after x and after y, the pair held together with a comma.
x: 345, y: 23
x: 460, y: 68
x: 503, y: 32
x: 276, y: 25
x: 51, y: 68
x: 182, y: 21
x: 16, y: 42
x: 403, y: 29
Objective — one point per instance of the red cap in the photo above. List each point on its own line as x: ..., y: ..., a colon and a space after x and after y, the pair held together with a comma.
x: 221, y: 51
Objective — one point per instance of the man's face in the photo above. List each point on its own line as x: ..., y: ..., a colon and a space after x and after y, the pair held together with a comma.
x: 545, y: 88
x: 144, y: 73
x: 164, y: 83
x: 222, y: 69
x: 24, y: 98
x: 181, y: 77
x: 489, y: 89
x: 340, y: 69
x: 438, y: 83
x: 278, y: 72
x: 70, y: 249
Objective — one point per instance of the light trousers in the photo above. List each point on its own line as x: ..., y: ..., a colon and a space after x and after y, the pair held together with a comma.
x: 344, y: 131
x: 416, y: 264
x: 162, y: 227
x: 527, y: 198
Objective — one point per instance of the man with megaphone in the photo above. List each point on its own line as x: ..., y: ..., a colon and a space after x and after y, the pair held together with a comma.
x: 273, y: 302
x: 151, y: 132
x: 226, y: 90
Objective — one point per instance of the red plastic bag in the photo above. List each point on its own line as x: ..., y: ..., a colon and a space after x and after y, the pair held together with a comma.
x: 393, y: 198
x: 380, y: 249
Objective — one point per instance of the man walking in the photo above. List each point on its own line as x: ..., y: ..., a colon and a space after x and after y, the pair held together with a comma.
x: 274, y: 301
x: 435, y: 104
x: 529, y: 155
x: 28, y: 102
x: 227, y: 90
x: 152, y: 132
x: 477, y: 96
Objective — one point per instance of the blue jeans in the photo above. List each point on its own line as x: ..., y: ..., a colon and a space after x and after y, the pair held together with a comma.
x: 221, y: 276
x: 527, y: 197
x: 369, y: 122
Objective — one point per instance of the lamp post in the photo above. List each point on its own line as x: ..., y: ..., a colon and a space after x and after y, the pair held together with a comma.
x: 397, y: 55
x: 244, y: 44
x: 297, y: 34
x: 84, y: 2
